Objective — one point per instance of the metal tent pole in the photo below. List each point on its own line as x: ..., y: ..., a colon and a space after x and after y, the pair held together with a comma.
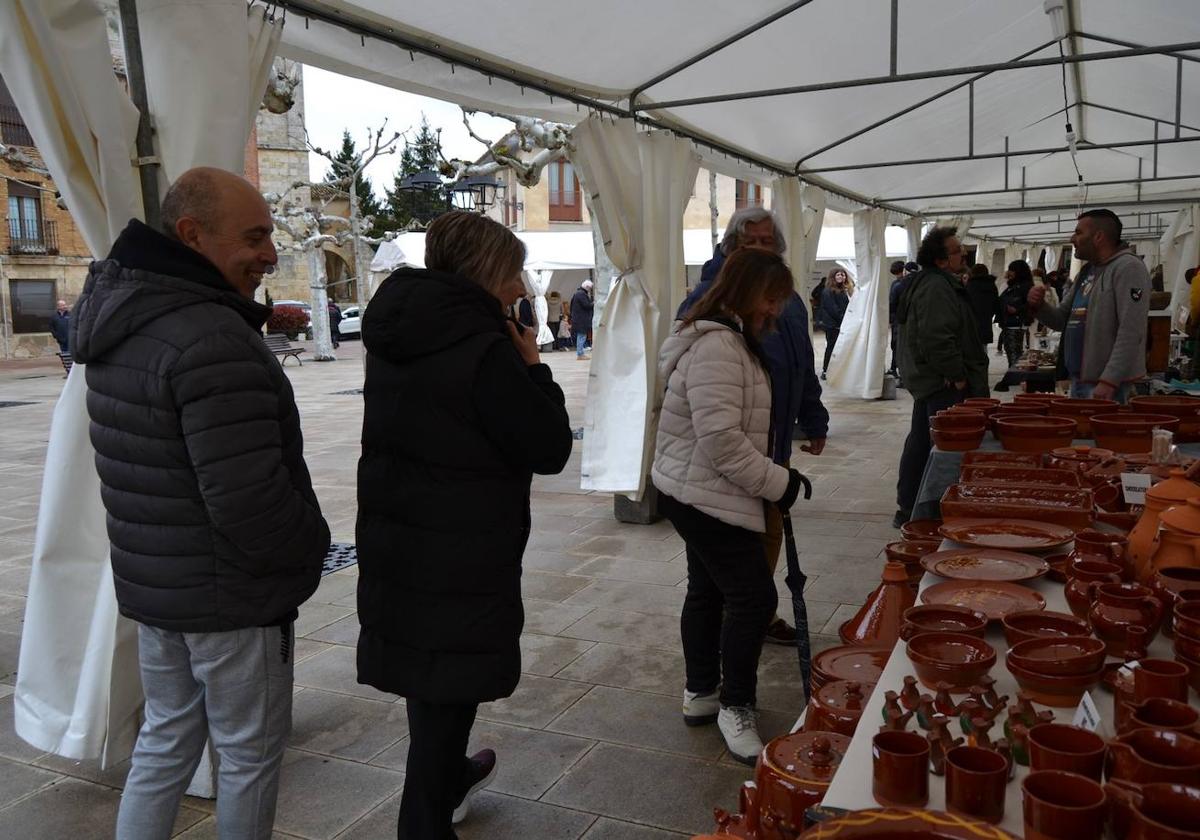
x: 147, y: 161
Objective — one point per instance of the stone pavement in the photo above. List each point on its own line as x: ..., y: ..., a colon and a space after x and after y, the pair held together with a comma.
x: 591, y: 744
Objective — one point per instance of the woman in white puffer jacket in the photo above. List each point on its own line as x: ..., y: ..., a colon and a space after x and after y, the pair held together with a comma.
x: 714, y: 474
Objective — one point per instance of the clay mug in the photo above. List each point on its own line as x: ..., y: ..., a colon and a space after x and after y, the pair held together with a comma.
x: 975, y: 783
x: 1059, y: 746
x: 900, y: 769
x: 1062, y: 806
x: 1159, y: 713
x: 1160, y: 678
x: 1168, y: 584
x: 1154, y: 812
x: 1119, y: 606
x: 1143, y: 756
x: 1099, y: 545
x: 1081, y: 573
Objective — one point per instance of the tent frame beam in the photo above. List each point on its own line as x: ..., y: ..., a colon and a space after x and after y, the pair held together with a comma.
x: 1165, y: 49
x: 1112, y: 183
x: 1017, y: 211
x: 1117, y: 42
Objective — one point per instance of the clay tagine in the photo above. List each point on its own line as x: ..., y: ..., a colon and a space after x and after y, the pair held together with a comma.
x: 879, y: 619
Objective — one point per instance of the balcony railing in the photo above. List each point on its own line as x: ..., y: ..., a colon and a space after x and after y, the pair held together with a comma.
x: 32, y: 236
x: 12, y: 127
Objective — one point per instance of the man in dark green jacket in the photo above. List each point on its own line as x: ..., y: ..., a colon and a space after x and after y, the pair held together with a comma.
x: 942, y: 359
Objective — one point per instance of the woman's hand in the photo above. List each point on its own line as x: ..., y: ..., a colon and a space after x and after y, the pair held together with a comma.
x: 525, y: 342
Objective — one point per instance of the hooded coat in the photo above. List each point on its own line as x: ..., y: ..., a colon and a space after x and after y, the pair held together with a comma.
x: 455, y: 425
x: 212, y: 519
x: 940, y: 343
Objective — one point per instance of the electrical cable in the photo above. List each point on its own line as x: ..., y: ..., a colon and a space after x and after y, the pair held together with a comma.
x: 1066, y: 109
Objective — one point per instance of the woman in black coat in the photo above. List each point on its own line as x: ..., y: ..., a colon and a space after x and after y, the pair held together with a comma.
x: 834, y: 300
x: 459, y: 415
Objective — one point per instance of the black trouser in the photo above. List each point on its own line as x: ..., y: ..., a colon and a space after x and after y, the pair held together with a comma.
x: 918, y: 445
x: 730, y: 602
x: 831, y: 334
x: 335, y: 333
x: 438, y: 774
x: 895, y: 337
x: 1012, y: 339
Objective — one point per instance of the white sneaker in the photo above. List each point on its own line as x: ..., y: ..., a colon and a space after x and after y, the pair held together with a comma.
x: 699, y: 709
x: 484, y: 766
x: 739, y: 728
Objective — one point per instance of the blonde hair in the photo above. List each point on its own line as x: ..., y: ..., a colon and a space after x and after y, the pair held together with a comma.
x: 478, y: 248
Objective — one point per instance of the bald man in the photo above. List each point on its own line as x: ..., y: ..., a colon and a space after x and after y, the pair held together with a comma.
x: 216, y: 537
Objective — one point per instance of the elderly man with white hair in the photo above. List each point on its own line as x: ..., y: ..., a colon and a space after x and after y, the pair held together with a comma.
x: 796, y: 391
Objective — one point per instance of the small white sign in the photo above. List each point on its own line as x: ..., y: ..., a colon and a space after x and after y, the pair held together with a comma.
x: 1087, y: 715
x: 1134, y: 486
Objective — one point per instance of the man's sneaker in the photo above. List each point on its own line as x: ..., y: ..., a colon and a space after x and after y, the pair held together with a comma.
x: 699, y: 709
x: 739, y: 728
x: 483, y: 770
x: 781, y: 633
x: 900, y: 518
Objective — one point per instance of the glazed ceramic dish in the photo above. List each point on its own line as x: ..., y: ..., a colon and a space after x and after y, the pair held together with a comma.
x: 1063, y: 505
x: 905, y: 823
x: 953, y: 658
x: 1067, y: 656
x: 1130, y: 432
x: 849, y: 662
x: 962, y: 419
x: 1034, y: 434
x: 1081, y: 411
x: 990, y: 457
x: 947, y: 619
x: 1041, y: 624
x: 1187, y: 409
x: 957, y: 440
x: 993, y: 599
x: 1058, y: 567
x: 921, y: 529
x: 1061, y: 692
x: 1011, y: 534
x: 1003, y: 474
x: 984, y: 564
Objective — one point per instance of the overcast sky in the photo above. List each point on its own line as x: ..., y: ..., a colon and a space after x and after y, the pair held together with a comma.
x: 333, y: 103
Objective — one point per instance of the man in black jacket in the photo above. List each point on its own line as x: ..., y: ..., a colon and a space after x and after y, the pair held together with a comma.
x: 216, y: 536
x: 581, y: 317
x: 60, y: 323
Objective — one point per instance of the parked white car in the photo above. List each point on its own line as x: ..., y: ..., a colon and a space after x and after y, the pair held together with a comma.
x: 351, y: 324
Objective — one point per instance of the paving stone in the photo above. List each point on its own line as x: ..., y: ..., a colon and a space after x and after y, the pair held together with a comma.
x: 321, y: 796
x: 335, y: 670
x: 492, y: 816
x: 11, y: 744
x: 612, y: 528
x: 333, y: 587
x: 65, y: 807
x: 206, y: 829
x: 841, y: 615
x: 640, y: 571
x: 635, y: 597
x: 627, y: 784
x: 536, y: 702
x: 17, y: 780
x: 550, y: 561
x: 315, y: 616
x: 89, y: 770
x: 637, y: 669
x: 628, y: 628
x: 609, y: 829
x: 547, y: 655
x: 550, y: 587
x: 306, y: 648
x: 342, y: 632
x: 851, y: 587
x: 549, y: 617
x: 637, y: 719
x: 662, y: 550
x: 346, y: 727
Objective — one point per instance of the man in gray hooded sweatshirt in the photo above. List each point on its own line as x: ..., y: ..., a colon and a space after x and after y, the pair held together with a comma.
x: 1103, y: 314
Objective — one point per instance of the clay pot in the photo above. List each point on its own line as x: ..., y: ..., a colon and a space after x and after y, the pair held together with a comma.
x: 1081, y: 574
x: 878, y: 620
x: 1119, y: 606
x: 1068, y: 656
x: 1144, y: 756
x: 1059, y: 746
x: 1154, y: 812
x: 1038, y: 624
x: 1160, y: 678
x: 1077, y: 458
x: 962, y: 419
x: 1062, y: 806
x: 1193, y: 666
x: 933, y: 618
x: 1186, y: 617
x: 1001, y: 474
x: 1036, y: 397
x: 1081, y: 411
x: 792, y: 775
x: 975, y: 783
x: 1177, y: 542
x: 1161, y: 713
x: 909, y: 554
x: 1026, y: 407
x: 956, y: 659
x: 1063, y: 692
x: 1188, y: 646
x: 835, y: 707
x: 1175, y: 490
x: 1034, y: 434
x: 1166, y: 583
x: 1058, y: 567
x: 900, y: 769
x: 957, y: 440
x: 1130, y: 432
x: 1099, y: 545
x: 1187, y: 409
x: 1123, y: 520
x: 980, y: 403
x: 922, y: 529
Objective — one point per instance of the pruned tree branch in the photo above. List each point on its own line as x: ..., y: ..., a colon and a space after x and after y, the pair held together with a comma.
x: 553, y: 140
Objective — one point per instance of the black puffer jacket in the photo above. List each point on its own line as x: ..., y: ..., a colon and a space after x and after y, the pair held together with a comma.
x: 454, y: 427
x: 212, y: 519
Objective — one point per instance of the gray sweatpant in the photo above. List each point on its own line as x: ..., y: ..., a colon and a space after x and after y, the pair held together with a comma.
x: 233, y: 687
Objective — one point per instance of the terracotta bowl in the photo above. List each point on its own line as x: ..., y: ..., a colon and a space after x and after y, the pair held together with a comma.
x: 1123, y: 521
x: 922, y: 529
x: 1077, y: 457
x: 1035, y: 434
x: 1027, y: 407
x: 1058, y: 567
x: 945, y: 420
x: 996, y: 416
x: 1038, y: 624
x: 1081, y: 411
x: 954, y: 658
x: 1069, y: 656
x: 935, y: 618
x: 1187, y: 645
x: 1036, y: 397
x: 1062, y: 692
x: 958, y: 440
x: 1187, y: 409
x: 1193, y: 668
x: 910, y: 552
x: 1130, y: 432
x: 980, y: 402
x: 1187, y: 618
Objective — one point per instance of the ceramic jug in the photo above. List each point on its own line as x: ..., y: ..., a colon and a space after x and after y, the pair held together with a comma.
x: 1178, y: 540
x: 1118, y: 606
x: 1098, y: 545
x: 1176, y: 490
x: 1081, y: 574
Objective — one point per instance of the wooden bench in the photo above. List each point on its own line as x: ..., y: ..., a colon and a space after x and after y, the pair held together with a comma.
x: 279, y: 345
x: 65, y: 358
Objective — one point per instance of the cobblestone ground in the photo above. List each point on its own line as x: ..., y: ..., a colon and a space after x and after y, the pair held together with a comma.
x: 591, y: 744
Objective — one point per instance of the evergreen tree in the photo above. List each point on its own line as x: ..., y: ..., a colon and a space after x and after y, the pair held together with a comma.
x: 347, y: 159
x: 404, y: 207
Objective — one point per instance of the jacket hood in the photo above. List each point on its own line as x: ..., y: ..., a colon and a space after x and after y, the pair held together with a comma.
x: 417, y: 312
x: 145, y: 276
x: 682, y: 339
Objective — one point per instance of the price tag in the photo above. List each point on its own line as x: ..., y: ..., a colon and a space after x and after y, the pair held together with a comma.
x: 1087, y: 715
x: 1134, y: 486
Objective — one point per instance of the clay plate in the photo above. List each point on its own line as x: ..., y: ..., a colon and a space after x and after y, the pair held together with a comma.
x: 882, y: 823
x: 851, y: 662
x: 984, y: 564
x: 1010, y: 534
x: 995, y: 599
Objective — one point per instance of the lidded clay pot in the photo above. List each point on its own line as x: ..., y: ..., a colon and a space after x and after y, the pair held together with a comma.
x: 1178, y: 541
x: 1176, y: 490
x: 1118, y: 606
x: 793, y: 774
x: 879, y: 619
x: 836, y: 707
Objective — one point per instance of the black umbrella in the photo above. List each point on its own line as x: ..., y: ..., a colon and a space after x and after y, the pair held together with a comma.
x: 795, y: 582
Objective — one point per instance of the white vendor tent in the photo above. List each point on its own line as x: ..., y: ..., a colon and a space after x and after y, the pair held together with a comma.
x: 903, y: 113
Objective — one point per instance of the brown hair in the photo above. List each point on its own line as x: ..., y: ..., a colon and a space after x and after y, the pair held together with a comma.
x: 748, y: 275
x: 478, y: 248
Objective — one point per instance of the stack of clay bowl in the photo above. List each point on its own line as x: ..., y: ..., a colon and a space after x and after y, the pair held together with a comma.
x: 1186, y: 627
x: 1034, y: 433
x: 957, y: 431
x: 1057, y: 671
x: 1016, y: 409
x: 1130, y: 431
x: 1187, y: 409
x: 1082, y: 411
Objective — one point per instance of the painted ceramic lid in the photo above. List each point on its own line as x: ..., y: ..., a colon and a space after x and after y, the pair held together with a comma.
x: 808, y: 756
x: 1176, y: 489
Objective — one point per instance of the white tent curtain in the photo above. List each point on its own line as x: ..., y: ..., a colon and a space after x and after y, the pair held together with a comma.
x: 1052, y: 254
x: 78, y: 690
x: 860, y: 356
x: 984, y: 251
x: 1180, y: 247
x: 1151, y: 251
x: 539, y: 282
x: 640, y: 185
x: 800, y: 209
x: 913, y: 227
x: 962, y: 224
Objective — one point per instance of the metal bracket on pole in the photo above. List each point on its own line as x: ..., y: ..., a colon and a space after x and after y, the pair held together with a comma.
x: 147, y: 161
x: 151, y: 160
